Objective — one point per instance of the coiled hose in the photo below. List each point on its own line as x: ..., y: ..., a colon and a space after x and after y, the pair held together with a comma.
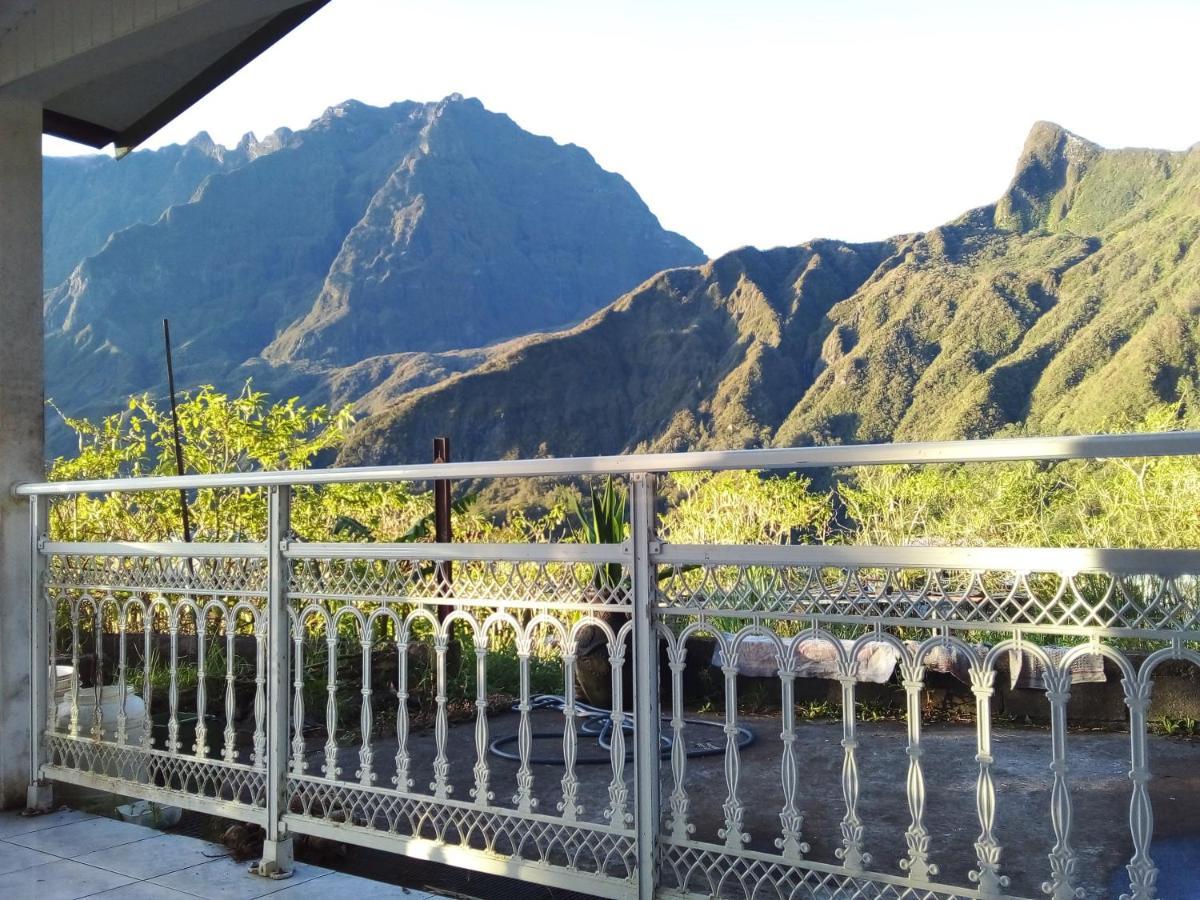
x: 598, y: 723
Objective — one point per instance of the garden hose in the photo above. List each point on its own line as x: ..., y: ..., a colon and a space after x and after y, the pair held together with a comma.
x: 598, y: 723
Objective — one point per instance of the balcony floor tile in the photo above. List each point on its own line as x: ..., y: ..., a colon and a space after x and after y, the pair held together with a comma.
x: 80, y: 838
x: 155, y: 856
x: 224, y: 879
x: 63, y: 879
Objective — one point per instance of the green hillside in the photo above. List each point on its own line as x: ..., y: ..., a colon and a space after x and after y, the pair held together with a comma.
x: 1069, y: 303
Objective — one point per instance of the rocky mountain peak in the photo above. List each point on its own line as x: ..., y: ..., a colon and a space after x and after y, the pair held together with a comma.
x: 414, y: 227
x: 1051, y: 166
x: 202, y: 142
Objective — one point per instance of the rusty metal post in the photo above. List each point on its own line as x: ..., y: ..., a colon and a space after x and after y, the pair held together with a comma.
x: 443, y: 531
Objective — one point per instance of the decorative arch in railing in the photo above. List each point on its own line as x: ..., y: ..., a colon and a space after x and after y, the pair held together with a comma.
x: 283, y: 632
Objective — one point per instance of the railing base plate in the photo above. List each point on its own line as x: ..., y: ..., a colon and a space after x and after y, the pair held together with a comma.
x: 278, y: 860
x: 39, y: 798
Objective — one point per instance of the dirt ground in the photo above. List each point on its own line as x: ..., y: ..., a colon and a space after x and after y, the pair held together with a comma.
x: 1098, y: 775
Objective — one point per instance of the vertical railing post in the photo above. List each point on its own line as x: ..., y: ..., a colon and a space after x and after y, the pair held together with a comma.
x: 40, y: 795
x: 277, y: 858
x: 645, y: 683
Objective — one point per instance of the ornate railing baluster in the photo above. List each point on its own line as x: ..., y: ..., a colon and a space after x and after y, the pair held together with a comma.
x: 330, y: 767
x: 987, y: 848
x: 229, y: 750
x: 617, y: 812
x: 791, y: 819
x: 441, y: 764
x: 401, y: 779
x: 480, y: 793
x: 524, y: 799
x: 569, y: 806
x: 147, y: 681
x: 1062, y: 857
x: 97, y: 729
x: 97, y: 681
x: 122, y: 688
x: 173, y: 682
x: 73, y: 722
x: 365, y: 773
x: 677, y: 822
x: 733, y: 809
x: 51, y: 711
x: 298, y: 764
x: 200, y: 746
x: 259, y: 756
x: 851, y: 852
x: 917, y: 863
x: 1143, y: 874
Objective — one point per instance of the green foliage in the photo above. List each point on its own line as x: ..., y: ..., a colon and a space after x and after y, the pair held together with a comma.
x: 219, y: 434
x: 744, y: 508
x: 1175, y: 727
x: 1107, y: 503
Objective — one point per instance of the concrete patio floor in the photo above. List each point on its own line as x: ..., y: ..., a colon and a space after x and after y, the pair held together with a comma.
x: 68, y: 854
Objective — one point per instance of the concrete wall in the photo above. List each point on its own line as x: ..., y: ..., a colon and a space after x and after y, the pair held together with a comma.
x: 21, y: 402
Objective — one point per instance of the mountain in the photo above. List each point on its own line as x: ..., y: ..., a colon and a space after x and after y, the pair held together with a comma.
x: 89, y: 198
x: 390, y: 232
x: 1069, y: 303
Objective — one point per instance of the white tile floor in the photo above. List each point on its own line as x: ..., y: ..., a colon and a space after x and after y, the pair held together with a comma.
x: 68, y: 855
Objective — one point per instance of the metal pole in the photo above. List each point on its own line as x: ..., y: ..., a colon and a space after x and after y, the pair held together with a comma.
x: 177, y: 441
x: 443, y: 531
x: 645, y: 685
x: 277, y: 858
x: 40, y: 796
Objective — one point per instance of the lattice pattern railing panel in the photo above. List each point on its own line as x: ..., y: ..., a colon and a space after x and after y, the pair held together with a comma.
x: 493, y: 582
x: 161, y: 574
x: 712, y: 872
x: 197, y: 778
x: 577, y: 846
x: 957, y: 598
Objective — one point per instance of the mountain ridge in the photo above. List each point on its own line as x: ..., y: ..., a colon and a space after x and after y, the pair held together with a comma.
x: 252, y: 246
x: 1066, y: 304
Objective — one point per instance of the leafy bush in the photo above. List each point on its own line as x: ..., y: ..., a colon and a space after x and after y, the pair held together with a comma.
x: 219, y: 434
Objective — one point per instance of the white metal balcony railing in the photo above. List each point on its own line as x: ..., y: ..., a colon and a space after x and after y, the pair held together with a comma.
x: 279, y: 611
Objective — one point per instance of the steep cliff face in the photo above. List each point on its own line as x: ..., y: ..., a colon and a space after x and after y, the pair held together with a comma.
x: 1069, y: 304
x: 481, y: 232
x: 89, y: 198
x: 374, y: 231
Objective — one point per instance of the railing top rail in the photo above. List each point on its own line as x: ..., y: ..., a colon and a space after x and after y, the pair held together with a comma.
x: 1047, y: 449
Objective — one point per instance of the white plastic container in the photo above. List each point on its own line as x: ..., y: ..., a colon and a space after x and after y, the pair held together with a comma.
x: 110, y: 705
x: 62, y: 680
x: 150, y: 814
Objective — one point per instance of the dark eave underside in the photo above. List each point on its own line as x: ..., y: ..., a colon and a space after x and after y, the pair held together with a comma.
x: 236, y: 52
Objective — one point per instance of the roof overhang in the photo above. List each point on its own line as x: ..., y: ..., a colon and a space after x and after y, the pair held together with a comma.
x: 115, y: 71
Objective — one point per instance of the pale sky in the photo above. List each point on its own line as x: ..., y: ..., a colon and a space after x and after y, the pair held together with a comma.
x: 758, y: 122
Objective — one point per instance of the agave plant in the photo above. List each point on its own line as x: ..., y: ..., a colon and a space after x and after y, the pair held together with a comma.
x: 603, y: 523
x: 606, y: 524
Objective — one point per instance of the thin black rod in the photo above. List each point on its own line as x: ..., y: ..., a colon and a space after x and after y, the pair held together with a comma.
x: 183, y: 502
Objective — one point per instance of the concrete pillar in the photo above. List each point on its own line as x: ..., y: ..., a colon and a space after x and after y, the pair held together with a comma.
x: 21, y: 410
